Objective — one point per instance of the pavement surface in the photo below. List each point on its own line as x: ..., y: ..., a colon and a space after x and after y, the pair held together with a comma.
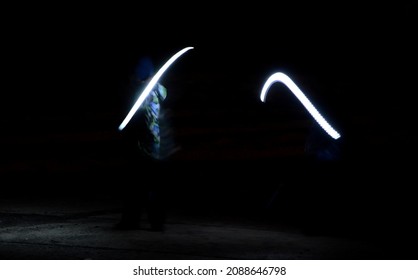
x: 208, y: 227
x: 83, y: 229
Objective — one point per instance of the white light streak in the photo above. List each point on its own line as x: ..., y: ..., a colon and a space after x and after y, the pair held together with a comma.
x: 150, y: 86
x: 281, y: 77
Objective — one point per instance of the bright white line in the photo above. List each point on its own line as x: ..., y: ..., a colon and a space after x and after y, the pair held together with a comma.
x: 150, y: 86
x: 281, y: 77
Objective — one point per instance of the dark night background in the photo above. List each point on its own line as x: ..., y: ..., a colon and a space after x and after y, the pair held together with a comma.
x: 64, y: 93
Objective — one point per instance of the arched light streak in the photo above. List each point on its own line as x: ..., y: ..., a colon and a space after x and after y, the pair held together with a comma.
x: 281, y: 77
x: 150, y: 86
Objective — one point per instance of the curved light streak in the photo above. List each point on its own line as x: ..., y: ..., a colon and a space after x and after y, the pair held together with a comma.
x: 283, y: 78
x: 150, y: 86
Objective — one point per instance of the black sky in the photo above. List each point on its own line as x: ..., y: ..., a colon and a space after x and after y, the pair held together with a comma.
x: 72, y: 60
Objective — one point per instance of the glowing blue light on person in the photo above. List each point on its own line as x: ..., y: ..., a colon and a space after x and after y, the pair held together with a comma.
x: 281, y: 77
x: 150, y: 86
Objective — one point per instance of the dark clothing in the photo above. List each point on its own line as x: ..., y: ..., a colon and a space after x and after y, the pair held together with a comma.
x: 143, y: 195
x: 144, y: 200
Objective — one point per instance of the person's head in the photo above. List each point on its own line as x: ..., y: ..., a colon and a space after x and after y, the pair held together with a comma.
x: 144, y: 69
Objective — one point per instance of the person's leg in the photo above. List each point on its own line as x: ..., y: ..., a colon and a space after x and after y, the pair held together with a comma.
x: 156, y: 209
x: 133, y: 199
x: 131, y: 212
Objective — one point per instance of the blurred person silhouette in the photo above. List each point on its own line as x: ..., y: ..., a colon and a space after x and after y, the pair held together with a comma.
x: 323, y: 198
x: 149, y: 144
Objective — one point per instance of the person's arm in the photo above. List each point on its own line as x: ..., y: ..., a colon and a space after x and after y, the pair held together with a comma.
x: 162, y: 92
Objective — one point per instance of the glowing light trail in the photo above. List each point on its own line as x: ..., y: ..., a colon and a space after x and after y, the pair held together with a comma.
x: 150, y: 86
x: 281, y: 77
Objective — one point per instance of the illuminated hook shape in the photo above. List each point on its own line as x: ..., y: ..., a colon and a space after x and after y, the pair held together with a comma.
x: 150, y: 86
x: 281, y: 77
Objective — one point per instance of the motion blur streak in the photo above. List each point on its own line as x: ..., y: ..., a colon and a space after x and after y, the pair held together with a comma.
x: 281, y: 77
x: 150, y: 86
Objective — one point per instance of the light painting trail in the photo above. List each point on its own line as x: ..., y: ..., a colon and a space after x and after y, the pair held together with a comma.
x: 150, y: 86
x: 283, y: 78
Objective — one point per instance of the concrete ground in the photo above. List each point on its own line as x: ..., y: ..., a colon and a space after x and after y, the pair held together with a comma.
x: 82, y: 228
